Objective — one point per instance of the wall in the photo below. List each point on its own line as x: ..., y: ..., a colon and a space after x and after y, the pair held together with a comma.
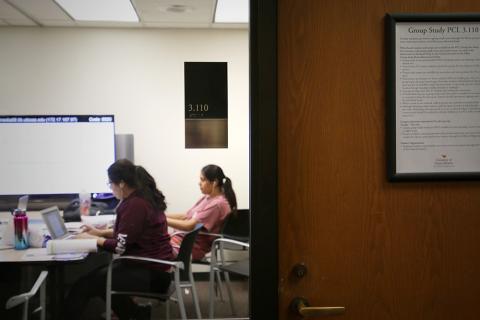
x: 137, y: 75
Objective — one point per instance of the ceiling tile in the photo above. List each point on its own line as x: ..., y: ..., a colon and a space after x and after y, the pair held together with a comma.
x: 162, y: 11
x: 40, y: 9
x: 57, y: 23
x: 153, y: 14
x: 13, y: 17
x: 22, y: 22
x: 177, y: 25
x: 108, y: 24
x: 9, y: 12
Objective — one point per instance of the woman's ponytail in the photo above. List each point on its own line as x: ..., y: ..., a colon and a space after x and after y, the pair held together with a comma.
x: 148, y: 188
x: 138, y: 178
x: 214, y: 173
x: 230, y: 194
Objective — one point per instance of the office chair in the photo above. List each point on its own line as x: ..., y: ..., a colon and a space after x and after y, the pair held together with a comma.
x: 182, y: 277
x: 237, y: 227
x: 219, y: 264
x: 25, y: 297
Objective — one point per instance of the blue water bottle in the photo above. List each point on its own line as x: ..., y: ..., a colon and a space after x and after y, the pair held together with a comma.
x: 20, y: 224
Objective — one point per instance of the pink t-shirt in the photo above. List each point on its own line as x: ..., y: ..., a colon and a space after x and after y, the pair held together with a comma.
x: 211, y: 212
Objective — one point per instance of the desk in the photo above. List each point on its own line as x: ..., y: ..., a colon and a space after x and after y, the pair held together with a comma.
x: 34, y: 255
x: 37, y: 257
x: 55, y: 279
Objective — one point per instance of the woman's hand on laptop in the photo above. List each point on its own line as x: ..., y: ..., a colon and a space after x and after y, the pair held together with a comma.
x: 107, y: 233
x: 84, y: 235
x: 91, y: 230
x: 87, y: 235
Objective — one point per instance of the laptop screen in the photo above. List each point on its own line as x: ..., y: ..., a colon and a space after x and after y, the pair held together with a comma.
x: 55, y: 224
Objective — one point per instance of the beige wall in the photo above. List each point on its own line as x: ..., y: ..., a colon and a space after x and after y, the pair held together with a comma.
x: 137, y: 75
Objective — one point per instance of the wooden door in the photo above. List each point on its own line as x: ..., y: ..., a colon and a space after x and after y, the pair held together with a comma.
x: 383, y: 250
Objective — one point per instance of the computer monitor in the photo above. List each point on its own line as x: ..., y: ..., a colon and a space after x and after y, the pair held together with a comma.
x: 55, y: 154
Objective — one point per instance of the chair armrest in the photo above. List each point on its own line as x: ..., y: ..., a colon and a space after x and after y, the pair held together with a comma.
x: 21, y: 298
x: 202, y: 233
x: 231, y: 241
x: 177, y: 232
x: 177, y: 264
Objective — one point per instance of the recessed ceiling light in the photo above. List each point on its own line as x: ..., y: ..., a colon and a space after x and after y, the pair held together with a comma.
x: 232, y: 11
x: 100, y: 10
x: 178, y: 8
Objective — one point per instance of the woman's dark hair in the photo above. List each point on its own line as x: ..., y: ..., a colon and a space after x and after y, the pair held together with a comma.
x: 214, y: 173
x: 138, y: 178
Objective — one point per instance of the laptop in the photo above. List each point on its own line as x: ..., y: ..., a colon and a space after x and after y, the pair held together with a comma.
x: 56, y: 226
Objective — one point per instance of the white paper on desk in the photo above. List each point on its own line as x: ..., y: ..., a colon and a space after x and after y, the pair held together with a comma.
x: 6, y: 230
x: 71, y: 246
x: 70, y: 256
x: 41, y: 255
x: 103, y: 221
x: 37, y: 255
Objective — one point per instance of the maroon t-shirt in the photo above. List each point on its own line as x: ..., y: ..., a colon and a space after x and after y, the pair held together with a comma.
x: 140, y: 230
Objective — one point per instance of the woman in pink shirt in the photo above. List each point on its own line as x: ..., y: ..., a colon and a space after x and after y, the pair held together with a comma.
x: 217, y: 202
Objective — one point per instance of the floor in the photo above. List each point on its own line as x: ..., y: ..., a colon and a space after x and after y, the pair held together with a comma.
x: 222, y: 308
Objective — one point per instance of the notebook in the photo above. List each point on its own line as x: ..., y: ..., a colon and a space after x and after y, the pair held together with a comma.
x: 56, y: 226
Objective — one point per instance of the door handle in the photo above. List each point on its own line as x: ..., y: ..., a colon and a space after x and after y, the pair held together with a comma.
x: 300, y: 306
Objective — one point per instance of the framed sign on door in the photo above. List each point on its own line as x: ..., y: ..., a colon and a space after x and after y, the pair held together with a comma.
x: 433, y: 96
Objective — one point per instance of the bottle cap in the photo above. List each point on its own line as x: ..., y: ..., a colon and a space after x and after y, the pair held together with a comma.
x: 19, y: 212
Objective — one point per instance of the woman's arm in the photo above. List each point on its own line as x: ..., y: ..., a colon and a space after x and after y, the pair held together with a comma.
x: 86, y: 235
x: 94, y: 233
x: 182, y: 224
x: 106, y: 233
x: 178, y: 216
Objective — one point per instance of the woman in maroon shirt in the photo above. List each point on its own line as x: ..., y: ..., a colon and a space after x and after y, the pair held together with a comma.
x: 140, y: 230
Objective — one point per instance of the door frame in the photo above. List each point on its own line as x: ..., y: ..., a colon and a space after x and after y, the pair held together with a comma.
x: 263, y: 160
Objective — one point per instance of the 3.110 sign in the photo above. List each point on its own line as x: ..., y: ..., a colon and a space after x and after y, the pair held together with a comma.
x: 206, y: 105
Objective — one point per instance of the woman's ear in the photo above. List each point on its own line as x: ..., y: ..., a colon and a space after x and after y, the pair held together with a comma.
x: 121, y: 184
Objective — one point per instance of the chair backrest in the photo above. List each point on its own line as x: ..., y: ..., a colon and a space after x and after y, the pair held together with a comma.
x: 237, y: 225
x: 25, y: 297
x: 185, y: 251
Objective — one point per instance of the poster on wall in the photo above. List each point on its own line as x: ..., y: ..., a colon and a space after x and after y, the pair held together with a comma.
x: 206, y: 105
x: 433, y: 96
